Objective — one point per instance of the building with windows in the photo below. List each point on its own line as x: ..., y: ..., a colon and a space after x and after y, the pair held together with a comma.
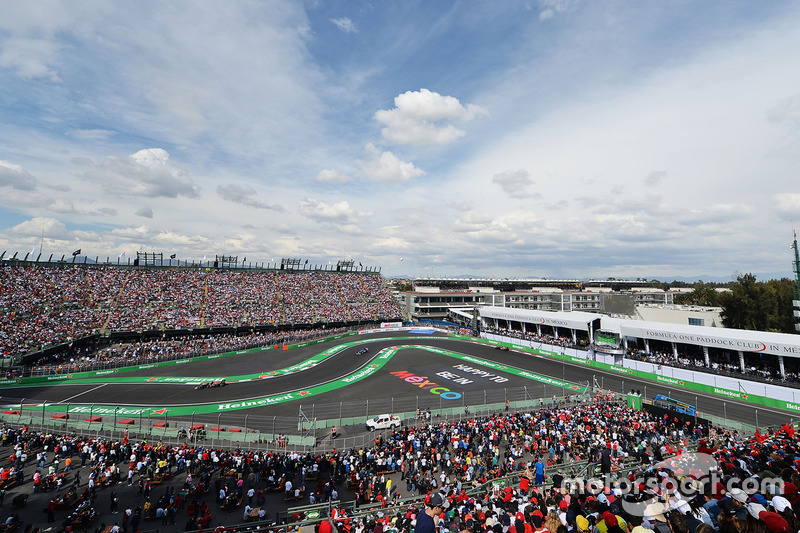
x: 432, y: 299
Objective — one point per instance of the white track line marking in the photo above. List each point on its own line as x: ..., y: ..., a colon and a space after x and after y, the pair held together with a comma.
x: 82, y: 393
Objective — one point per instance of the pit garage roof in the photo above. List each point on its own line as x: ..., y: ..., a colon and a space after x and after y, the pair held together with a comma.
x: 724, y: 338
x: 576, y: 320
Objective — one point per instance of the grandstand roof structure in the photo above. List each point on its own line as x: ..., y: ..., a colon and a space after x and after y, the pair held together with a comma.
x: 734, y: 339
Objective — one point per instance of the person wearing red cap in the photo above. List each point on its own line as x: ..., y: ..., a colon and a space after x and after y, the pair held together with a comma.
x: 790, y: 492
x: 538, y: 522
x: 325, y: 526
x: 609, y: 520
x: 774, y: 522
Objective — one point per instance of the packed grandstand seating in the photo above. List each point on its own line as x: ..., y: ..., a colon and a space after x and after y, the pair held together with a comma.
x: 448, y: 464
x: 762, y: 372
x: 528, y: 336
x: 44, y: 305
x: 104, y: 352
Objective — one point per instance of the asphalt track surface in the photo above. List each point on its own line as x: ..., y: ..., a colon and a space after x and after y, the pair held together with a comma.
x: 378, y: 393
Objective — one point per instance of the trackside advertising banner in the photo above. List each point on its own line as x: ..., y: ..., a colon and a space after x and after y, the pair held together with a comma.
x: 779, y: 397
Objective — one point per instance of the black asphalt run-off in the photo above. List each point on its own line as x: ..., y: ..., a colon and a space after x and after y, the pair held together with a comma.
x: 380, y: 393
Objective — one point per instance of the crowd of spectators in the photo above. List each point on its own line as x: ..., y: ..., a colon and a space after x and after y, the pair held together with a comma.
x: 104, y: 353
x: 760, y: 371
x: 44, y: 305
x: 564, y: 342
x: 438, y: 462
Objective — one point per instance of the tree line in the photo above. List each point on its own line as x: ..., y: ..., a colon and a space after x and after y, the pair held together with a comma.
x: 747, y: 303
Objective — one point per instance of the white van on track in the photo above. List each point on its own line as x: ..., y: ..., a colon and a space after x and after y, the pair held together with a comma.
x: 383, y: 422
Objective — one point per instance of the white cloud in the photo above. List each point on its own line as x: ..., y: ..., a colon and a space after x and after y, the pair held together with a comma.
x: 345, y: 24
x: 785, y: 114
x: 387, y: 167
x: 655, y: 177
x: 331, y: 175
x: 424, y: 117
x: 31, y: 58
x: 15, y: 176
x: 172, y: 239
x: 515, y: 183
x: 548, y: 8
x: 340, y: 212
x: 137, y: 234
x: 104, y: 212
x: 472, y: 222
x: 81, y: 161
x: 91, y: 135
x: 787, y: 205
x: 53, y: 229
x: 144, y: 212
x: 60, y: 205
x: 147, y: 173
x: 244, y: 195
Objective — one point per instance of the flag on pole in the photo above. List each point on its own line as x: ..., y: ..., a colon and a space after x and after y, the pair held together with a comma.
x: 33, y: 251
x: 172, y: 256
x: 122, y: 254
x: 76, y: 252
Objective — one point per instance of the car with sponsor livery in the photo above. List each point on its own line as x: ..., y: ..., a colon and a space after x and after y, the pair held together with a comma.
x: 362, y: 351
x: 203, y: 385
x: 383, y: 422
x: 501, y: 348
x: 218, y: 383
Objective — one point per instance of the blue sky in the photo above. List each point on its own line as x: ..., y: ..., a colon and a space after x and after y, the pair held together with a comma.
x: 556, y: 138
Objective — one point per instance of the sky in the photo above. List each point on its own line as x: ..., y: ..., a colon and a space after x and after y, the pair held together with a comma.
x: 531, y: 138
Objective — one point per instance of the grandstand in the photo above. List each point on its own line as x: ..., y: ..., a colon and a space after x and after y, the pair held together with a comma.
x: 47, y: 306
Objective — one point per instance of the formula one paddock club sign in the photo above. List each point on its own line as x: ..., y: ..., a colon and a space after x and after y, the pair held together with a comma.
x: 757, y: 342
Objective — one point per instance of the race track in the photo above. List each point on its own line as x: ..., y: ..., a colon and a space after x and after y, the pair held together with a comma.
x: 400, y: 373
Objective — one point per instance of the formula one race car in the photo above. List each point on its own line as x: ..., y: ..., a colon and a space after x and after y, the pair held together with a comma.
x: 203, y: 385
x: 501, y: 348
x: 218, y: 383
x: 362, y: 351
